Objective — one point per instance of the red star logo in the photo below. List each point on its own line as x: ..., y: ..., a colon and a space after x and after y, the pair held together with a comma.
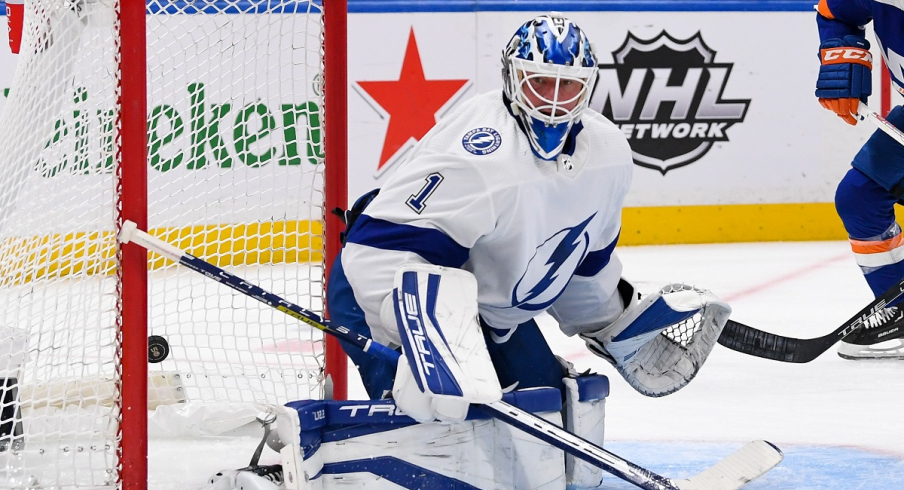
x: 412, y: 101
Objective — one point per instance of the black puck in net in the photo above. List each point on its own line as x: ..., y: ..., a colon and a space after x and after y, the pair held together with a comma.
x: 158, y: 349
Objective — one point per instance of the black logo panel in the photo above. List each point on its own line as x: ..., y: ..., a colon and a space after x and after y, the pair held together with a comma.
x: 666, y: 96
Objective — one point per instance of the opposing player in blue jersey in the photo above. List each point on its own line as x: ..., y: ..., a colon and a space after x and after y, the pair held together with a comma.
x: 515, y: 197
x: 866, y: 196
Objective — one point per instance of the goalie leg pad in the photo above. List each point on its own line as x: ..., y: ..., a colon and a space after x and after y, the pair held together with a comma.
x: 372, y: 444
x: 585, y: 414
x: 436, y: 315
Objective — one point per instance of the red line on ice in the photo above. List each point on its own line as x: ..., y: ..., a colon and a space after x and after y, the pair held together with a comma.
x: 786, y: 277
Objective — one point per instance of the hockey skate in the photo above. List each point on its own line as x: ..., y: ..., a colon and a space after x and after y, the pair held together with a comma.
x: 881, y: 338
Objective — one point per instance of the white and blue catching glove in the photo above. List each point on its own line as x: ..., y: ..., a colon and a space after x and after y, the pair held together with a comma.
x: 445, y: 364
x: 659, y: 343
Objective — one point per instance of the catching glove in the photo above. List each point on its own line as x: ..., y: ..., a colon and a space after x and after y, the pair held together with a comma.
x: 660, y: 343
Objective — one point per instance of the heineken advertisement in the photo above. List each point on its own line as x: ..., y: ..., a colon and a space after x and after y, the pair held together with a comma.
x: 203, y: 134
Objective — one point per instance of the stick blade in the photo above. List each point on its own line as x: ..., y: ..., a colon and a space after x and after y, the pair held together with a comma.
x: 741, y: 467
x: 748, y: 340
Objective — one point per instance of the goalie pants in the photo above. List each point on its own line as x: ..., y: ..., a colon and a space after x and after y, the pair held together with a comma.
x: 865, y: 201
x: 524, y: 360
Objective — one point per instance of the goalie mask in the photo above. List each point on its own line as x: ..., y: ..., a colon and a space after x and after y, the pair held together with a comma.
x: 548, y: 70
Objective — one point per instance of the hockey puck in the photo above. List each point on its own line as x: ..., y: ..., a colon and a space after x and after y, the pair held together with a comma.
x: 158, y: 349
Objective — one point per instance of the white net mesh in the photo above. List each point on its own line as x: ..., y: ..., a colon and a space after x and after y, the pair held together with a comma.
x: 234, y: 176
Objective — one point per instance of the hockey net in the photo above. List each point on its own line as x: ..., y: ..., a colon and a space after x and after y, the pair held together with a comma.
x: 235, y: 175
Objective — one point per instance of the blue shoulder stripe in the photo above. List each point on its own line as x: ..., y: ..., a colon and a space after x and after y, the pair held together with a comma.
x: 434, y: 246
x: 595, y: 261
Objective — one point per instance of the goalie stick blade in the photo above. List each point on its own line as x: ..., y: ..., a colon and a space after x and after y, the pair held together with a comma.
x: 741, y: 467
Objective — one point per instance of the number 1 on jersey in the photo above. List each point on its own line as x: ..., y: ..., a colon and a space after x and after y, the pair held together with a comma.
x: 416, y: 201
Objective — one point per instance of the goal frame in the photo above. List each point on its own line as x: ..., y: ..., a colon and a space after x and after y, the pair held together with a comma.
x: 133, y: 182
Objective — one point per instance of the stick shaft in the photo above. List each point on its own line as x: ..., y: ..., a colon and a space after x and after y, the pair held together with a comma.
x: 577, y: 446
x: 865, y: 112
x: 205, y: 268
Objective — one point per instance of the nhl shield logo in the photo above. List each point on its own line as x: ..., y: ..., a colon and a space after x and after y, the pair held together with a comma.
x: 666, y: 96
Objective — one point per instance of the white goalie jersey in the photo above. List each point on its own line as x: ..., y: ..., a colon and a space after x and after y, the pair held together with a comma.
x: 538, y: 235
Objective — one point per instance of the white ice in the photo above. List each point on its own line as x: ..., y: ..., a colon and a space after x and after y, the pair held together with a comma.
x: 840, y: 423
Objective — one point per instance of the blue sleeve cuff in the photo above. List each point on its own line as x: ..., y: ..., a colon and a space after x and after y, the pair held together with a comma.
x: 836, y: 29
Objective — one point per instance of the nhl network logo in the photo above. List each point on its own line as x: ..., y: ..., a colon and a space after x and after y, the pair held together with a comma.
x: 666, y: 96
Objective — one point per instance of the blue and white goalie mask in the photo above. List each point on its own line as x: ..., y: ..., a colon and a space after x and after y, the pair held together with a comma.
x: 548, y: 70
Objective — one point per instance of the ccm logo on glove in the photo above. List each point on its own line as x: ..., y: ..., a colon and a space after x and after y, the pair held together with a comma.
x: 832, y: 56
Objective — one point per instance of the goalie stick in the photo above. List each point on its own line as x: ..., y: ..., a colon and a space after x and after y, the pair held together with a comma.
x: 748, y: 340
x: 741, y: 467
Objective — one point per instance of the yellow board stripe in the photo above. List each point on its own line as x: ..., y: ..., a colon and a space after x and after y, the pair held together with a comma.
x: 24, y: 259
x: 278, y: 242
x: 731, y: 223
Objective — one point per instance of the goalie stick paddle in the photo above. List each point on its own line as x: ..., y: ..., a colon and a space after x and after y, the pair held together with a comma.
x: 741, y: 467
x: 751, y: 341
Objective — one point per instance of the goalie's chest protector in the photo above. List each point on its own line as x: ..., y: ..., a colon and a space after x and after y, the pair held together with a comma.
x: 527, y: 223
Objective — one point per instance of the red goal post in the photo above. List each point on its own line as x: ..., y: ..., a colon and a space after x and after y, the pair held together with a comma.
x: 218, y: 126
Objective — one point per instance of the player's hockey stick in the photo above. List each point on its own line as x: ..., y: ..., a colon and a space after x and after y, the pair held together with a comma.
x: 865, y: 112
x: 741, y: 467
x: 748, y: 340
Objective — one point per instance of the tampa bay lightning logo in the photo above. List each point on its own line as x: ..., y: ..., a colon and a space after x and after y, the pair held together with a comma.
x: 551, y: 267
x: 482, y: 141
